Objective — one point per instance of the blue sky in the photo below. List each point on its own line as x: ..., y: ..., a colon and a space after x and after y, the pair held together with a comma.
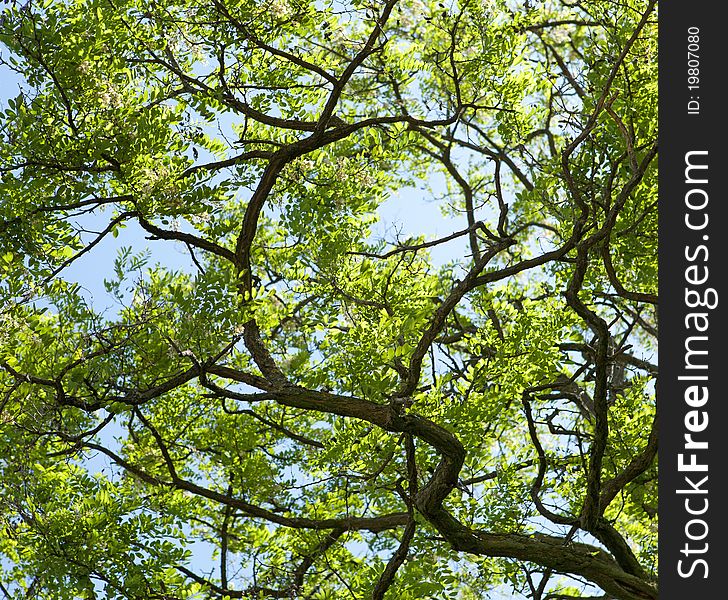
x: 411, y: 211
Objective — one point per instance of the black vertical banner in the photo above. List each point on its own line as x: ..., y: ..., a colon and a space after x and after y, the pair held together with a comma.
x: 693, y: 300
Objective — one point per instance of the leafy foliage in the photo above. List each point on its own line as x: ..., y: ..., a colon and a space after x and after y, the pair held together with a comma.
x: 306, y: 407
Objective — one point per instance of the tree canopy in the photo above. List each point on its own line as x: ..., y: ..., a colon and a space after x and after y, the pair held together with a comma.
x: 311, y: 405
